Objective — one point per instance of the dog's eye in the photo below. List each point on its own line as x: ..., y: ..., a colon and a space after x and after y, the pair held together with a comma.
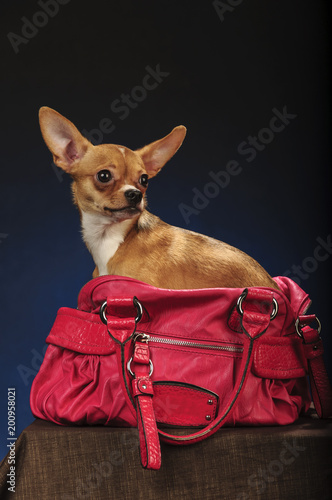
x: 104, y: 176
x: 144, y: 180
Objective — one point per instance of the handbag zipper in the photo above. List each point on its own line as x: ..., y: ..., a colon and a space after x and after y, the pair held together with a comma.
x: 187, y: 343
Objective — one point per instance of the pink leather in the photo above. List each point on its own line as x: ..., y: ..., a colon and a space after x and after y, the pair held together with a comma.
x: 257, y: 376
x: 146, y: 421
x: 281, y: 358
x: 319, y: 381
x: 183, y: 405
x: 141, y: 354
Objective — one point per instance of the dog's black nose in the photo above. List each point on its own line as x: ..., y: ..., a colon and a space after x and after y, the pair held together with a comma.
x: 134, y: 196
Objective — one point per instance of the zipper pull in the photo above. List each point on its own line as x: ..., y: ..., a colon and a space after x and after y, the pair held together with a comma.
x: 141, y: 337
x: 141, y: 350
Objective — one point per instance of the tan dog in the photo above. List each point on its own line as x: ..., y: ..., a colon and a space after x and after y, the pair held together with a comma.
x: 109, y: 185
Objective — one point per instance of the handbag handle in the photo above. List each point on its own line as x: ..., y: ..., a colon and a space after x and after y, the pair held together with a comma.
x: 223, y: 413
x: 254, y: 325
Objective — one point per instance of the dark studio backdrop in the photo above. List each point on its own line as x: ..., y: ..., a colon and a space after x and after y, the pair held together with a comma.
x: 249, y: 80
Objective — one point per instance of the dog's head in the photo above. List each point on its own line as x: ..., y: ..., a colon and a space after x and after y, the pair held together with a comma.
x: 107, y: 179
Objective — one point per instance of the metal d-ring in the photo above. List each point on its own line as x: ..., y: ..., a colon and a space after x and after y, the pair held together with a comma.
x: 298, y: 327
x: 102, y: 312
x: 137, y: 304
x: 139, y: 309
x: 133, y: 374
x: 243, y: 296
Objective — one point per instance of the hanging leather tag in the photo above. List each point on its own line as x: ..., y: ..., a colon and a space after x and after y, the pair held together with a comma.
x: 146, y: 421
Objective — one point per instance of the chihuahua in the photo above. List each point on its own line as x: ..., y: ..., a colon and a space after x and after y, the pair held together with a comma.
x: 109, y: 186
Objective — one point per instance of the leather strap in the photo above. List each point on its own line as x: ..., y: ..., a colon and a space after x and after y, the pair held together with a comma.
x: 320, y: 385
x: 225, y: 412
x: 254, y: 324
x: 274, y: 357
x: 92, y: 338
x: 83, y: 332
x: 143, y: 392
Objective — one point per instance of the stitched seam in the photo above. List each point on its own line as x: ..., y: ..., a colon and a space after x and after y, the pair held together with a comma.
x: 75, y: 342
x: 286, y: 344
x: 217, y: 353
x: 60, y: 314
x: 279, y: 369
x: 201, y: 393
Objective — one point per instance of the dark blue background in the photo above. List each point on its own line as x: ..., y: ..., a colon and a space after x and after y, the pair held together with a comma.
x: 225, y: 77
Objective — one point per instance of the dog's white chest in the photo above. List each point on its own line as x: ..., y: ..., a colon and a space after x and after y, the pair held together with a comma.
x: 102, y: 238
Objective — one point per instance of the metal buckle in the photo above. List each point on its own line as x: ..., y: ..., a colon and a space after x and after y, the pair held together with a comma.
x: 298, y: 327
x: 133, y: 374
x: 137, y: 304
x: 243, y: 296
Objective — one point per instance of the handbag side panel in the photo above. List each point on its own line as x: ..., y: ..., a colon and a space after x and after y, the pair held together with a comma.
x: 79, y: 389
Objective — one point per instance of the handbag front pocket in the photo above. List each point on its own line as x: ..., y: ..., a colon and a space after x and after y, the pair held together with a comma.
x: 194, y: 374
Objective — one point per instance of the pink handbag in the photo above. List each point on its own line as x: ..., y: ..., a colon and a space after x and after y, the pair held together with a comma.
x: 136, y: 355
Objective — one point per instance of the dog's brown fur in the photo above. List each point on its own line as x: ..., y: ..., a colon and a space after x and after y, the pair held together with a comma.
x: 148, y: 249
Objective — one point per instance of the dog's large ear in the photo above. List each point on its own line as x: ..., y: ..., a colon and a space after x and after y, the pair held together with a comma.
x: 62, y: 138
x: 156, y: 154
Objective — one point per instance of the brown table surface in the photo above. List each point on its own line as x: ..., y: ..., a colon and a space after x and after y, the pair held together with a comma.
x: 270, y: 463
